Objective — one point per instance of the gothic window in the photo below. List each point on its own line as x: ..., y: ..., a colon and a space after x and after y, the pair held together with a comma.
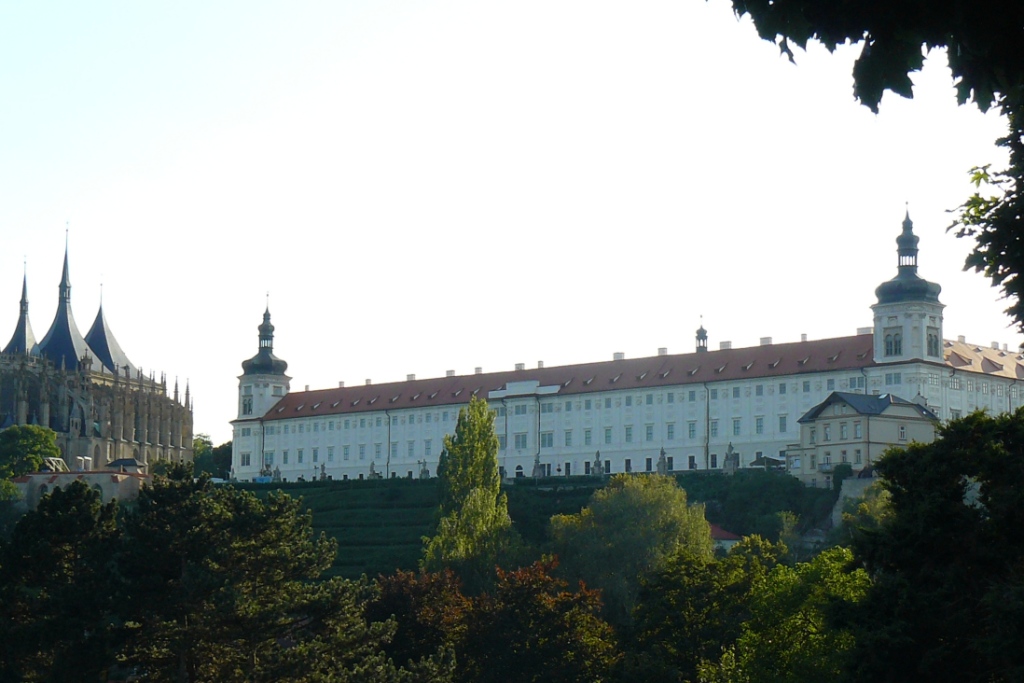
x: 934, y: 348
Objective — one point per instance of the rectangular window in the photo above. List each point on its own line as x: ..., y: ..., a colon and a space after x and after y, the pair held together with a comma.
x: 429, y: 418
x: 547, y: 407
x: 759, y: 425
x: 827, y: 432
x: 736, y: 426
x: 586, y: 467
x: 903, y: 433
x: 428, y: 448
x: 647, y: 464
x: 607, y: 403
x: 813, y: 433
x: 410, y: 449
x: 954, y: 382
x: 670, y: 397
x: 857, y: 457
x: 362, y: 451
x: 520, y: 409
x: 246, y: 459
x: 362, y: 422
x: 520, y: 442
x: 649, y: 399
x: 735, y: 392
x: 759, y: 390
x: 649, y: 433
x: 844, y: 431
x: 670, y: 431
x: 568, y: 406
x: 268, y: 458
x: 714, y: 429
x: 286, y: 429
x: 344, y: 453
x: 629, y: 433
x: 691, y: 462
x: 299, y: 456
x: 568, y: 438
x: 330, y: 426
x: 782, y: 424
x: 629, y: 401
x: 588, y: 404
x: 607, y: 434
x: 444, y: 414
x: 830, y: 384
x: 302, y: 428
x: 782, y: 389
x: 693, y: 396
x: 547, y: 439
x: 347, y: 424
x: 856, y: 430
x: 954, y: 414
x: 671, y: 463
x: 714, y: 460
x: 691, y: 430
x: 714, y: 394
x: 378, y: 449
x: 587, y: 437
x: 246, y: 405
x: 284, y: 457
x: 316, y: 455
x: 394, y: 450
x: 629, y: 465
x: 502, y: 442
x: 316, y: 426
x: 807, y: 386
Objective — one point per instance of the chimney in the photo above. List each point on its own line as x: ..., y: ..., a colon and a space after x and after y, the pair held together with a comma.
x: 368, y: 381
x: 520, y: 366
x: 410, y: 378
x: 766, y: 341
x: 341, y: 385
x: 540, y: 365
x: 662, y: 351
x: 995, y: 345
x: 725, y: 346
x: 478, y: 370
x: 962, y: 339
x: 618, y: 355
x: 307, y: 387
x: 865, y: 330
x: 803, y: 337
x: 449, y: 373
x: 1005, y: 349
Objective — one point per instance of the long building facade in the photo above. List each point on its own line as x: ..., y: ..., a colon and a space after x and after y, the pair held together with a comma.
x: 705, y: 410
x: 102, y: 406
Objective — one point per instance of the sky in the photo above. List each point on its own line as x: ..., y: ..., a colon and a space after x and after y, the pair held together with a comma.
x: 427, y: 185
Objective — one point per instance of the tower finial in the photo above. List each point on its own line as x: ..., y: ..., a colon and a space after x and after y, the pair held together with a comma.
x: 65, y: 278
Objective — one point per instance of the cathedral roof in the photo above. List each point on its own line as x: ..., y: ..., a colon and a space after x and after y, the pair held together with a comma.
x: 103, y: 344
x: 63, y: 344
x: 23, y: 340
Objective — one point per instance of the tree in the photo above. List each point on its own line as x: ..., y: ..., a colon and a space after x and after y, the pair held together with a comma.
x: 23, y: 449
x: 788, y: 637
x: 474, y: 532
x: 947, y: 559
x: 693, y: 606
x: 984, y: 44
x: 214, y: 461
x: 57, y: 582
x: 625, y: 531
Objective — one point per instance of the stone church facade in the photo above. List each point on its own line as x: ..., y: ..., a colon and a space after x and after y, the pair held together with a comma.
x: 102, y: 407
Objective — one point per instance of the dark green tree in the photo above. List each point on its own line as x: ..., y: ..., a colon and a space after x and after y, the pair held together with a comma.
x: 626, y: 531
x: 694, y: 605
x: 57, y: 585
x: 947, y: 559
x: 984, y: 43
x: 23, y: 448
x: 469, y: 459
x: 215, y: 461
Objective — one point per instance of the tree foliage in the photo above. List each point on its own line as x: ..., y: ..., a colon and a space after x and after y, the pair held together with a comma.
x: 692, y: 606
x: 625, y: 531
x: 788, y: 637
x: 474, y: 532
x: 23, y: 449
x: 947, y: 559
x: 984, y: 44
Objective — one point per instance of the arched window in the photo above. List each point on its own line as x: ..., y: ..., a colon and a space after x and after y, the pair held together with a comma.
x: 888, y: 345
x: 897, y: 344
x: 519, y: 471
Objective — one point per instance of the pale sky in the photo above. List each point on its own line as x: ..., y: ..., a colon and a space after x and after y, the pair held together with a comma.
x: 428, y: 185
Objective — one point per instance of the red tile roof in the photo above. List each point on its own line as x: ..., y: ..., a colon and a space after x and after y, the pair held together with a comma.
x: 637, y: 374
x: 720, y: 534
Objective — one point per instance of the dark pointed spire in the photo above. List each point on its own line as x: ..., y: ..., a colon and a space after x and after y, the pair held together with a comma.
x: 23, y: 340
x: 103, y: 344
x: 63, y: 344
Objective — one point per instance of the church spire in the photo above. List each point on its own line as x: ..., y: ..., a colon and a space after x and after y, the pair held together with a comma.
x: 65, y: 277
x: 63, y: 344
x: 23, y: 340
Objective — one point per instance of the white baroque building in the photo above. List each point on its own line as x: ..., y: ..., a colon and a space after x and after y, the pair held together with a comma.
x: 625, y: 413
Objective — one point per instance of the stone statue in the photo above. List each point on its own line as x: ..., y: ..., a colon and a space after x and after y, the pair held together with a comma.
x: 597, y: 469
x: 662, y: 463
